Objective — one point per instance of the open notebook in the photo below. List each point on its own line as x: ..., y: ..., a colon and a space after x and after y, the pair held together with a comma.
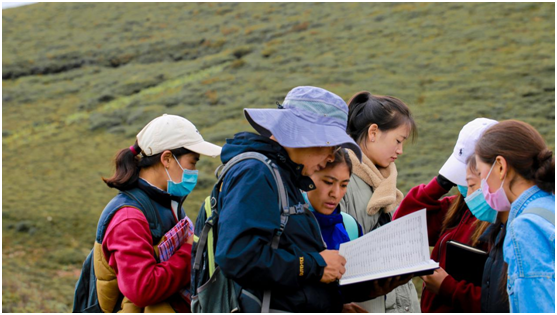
x: 398, y: 248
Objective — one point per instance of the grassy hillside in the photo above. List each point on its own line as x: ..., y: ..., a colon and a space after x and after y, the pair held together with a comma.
x: 79, y: 80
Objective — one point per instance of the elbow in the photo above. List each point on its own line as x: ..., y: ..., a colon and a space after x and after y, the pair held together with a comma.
x: 141, y: 295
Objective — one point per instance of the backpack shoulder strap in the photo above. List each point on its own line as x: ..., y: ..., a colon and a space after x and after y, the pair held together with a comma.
x: 544, y: 213
x: 211, y: 206
x: 148, y: 210
x: 350, y: 225
x: 207, y: 234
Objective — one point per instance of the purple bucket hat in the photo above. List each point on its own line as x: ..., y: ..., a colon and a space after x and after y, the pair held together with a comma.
x: 308, y: 117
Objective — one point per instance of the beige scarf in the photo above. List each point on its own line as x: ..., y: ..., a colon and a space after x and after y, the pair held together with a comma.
x: 381, y: 180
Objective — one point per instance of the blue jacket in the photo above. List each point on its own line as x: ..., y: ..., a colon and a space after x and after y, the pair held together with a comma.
x: 529, y: 249
x: 249, y: 217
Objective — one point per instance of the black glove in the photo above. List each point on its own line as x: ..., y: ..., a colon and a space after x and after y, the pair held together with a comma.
x: 444, y: 182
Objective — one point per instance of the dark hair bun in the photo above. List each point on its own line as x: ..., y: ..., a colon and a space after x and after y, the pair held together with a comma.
x: 545, y: 174
x: 359, y: 98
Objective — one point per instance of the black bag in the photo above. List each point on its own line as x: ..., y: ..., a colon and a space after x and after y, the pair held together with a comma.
x: 211, y: 291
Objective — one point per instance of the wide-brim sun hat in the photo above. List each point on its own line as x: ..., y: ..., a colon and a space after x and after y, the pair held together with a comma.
x: 308, y: 117
x: 454, y: 168
x: 169, y: 132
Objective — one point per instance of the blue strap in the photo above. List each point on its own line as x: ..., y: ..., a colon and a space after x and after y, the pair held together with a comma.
x: 544, y: 213
x: 350, y: 225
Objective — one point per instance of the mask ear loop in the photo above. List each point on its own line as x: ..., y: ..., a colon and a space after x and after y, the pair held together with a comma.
x: 490, y: 174
x: 166, y: 169
x: 169, y: 178
x: 178, y: 162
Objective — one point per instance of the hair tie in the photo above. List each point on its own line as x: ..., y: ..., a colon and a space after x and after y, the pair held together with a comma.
x: 132, y: 148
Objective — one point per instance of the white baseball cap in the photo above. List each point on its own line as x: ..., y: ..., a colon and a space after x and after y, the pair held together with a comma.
x: 455, y: 167
x: 168, y: 132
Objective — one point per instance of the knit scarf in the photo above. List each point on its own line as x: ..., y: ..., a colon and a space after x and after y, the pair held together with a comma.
x: 382, y: 181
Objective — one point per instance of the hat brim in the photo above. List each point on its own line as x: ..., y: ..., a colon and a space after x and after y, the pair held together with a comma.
x: 454, y: 170
x: 293, y: 131
x: 205, y: 148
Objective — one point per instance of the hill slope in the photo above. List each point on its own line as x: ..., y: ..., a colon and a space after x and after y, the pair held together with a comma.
x: 81, y: 79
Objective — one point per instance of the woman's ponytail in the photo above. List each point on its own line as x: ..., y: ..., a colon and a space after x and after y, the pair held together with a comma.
x: 127, y: 168
x: 545, y: 174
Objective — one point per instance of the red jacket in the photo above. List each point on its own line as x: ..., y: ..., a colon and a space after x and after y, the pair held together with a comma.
x: 454, y: 296
x: 128, y: 249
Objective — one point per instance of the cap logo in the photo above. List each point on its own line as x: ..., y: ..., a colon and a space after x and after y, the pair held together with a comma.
x: 460, y: 152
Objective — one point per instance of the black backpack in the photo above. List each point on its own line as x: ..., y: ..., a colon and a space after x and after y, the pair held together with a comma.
x: 85, y: 296
x: 211, y: 291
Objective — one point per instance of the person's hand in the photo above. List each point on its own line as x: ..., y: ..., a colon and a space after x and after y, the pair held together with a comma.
x: 384, y: 286
x: 433, y: 282
x: 189, y: 240
x: 445, y: 182
x: 353, y: 308
x: 335, y: 265
x: 363, y: 291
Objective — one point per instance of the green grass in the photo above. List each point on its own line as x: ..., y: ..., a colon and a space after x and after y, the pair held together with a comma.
x: 81, y: 79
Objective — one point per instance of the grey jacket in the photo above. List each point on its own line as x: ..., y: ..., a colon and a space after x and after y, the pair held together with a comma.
x: 403, y: 299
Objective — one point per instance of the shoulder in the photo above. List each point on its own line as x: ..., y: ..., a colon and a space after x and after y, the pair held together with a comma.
x: 531, y: 232
x: 526, y: 219
x: 127, y: 215
x: 250, y: 168
x: 357, y: 186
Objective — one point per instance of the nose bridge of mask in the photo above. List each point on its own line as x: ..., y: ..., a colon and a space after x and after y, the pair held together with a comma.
x: 463, y: 190
x: 480, y: 208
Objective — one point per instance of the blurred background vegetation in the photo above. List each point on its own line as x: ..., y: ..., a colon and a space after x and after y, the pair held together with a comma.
x: 79, y: 80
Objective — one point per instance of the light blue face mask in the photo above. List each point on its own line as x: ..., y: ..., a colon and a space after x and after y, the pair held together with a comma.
x: 183, y: 188
x: 306, y: 199
x: 479, y: 207
x: 463, y: 190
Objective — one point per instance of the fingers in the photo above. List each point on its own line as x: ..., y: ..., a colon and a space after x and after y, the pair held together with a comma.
x: 376, y: 286
x: 342, y: 260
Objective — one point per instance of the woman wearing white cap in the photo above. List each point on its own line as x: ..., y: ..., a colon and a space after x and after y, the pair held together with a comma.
x: 299, y: 137
x: 154, y: 176
x: 455, y: 218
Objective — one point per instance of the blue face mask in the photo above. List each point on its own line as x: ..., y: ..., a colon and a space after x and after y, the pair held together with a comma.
x: 183, y: 188
x: 463, y: 190
x: 479, y: 207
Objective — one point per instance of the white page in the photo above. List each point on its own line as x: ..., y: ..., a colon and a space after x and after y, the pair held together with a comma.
x: 398, y: 245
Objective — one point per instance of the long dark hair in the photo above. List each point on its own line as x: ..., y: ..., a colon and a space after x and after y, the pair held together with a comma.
x: 523, y: 148
x: 128, y: 164
x: 365, y: 109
